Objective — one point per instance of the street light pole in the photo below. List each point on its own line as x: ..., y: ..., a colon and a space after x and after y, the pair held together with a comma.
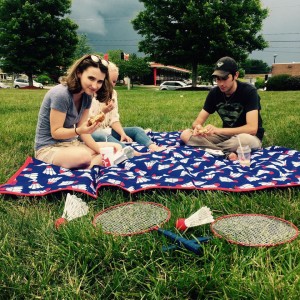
x: 275, y: 55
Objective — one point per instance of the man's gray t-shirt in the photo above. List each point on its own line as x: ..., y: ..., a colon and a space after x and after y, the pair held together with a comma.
x: 58, y: 98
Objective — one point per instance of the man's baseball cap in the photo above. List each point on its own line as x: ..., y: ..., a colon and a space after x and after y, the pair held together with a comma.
x: 225, y: 66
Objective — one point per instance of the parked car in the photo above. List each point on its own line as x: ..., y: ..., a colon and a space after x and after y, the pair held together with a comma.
x: 4, y: 86
x: 21, y: 82
x: 173, y: 85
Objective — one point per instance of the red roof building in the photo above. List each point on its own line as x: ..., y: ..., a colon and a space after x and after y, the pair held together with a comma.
x: 162, y: 73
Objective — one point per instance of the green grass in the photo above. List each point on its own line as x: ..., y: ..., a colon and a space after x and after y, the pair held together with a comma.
x: 79, y: 262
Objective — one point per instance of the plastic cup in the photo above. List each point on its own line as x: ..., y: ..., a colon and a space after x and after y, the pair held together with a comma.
x: 107, y: 154
x: 244, y: 155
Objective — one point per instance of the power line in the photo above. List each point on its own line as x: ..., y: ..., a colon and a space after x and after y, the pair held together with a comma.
x: 277, y: 51
x: 283, y: 41
x: 114, y: 40
x: 282, y: 33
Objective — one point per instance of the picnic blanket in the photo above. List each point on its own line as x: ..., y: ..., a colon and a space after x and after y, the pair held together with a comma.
x: 178, y: 167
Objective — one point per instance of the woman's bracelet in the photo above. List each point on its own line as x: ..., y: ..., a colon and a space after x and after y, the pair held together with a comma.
x: 76, y: 131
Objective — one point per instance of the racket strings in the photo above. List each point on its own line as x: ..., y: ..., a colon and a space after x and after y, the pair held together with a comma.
x: 255, y: 230
x: 132, y: 218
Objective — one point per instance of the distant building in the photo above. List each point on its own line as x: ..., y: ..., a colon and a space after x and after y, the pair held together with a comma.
x: 3, y: 76
x: 292, y: 69
x: 251, y: 78
x: 160, y: 73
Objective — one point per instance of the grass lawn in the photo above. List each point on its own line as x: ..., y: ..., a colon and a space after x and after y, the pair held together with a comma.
x: 79, y: 262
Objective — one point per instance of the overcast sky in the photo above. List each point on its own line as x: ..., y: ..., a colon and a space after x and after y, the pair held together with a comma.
x: 107, y: 26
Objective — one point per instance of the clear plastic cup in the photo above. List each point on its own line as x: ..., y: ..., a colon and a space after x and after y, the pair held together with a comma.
x: 244, y: 155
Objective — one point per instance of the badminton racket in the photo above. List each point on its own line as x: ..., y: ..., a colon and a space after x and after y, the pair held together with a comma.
x: 254, y: 230
x: 132, y: 218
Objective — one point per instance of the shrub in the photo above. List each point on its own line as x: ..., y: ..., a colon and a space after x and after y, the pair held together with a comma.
x: 260, y: 83
x: 283, y: 82
x: 294, y: 83
x: 278, y: 83
x: 44, y: 79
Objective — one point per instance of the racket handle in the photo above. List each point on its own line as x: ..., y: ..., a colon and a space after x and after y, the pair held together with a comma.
x: 192, y: 245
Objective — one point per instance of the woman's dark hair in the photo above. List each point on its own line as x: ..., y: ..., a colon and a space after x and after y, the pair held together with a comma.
x: 73, y: 82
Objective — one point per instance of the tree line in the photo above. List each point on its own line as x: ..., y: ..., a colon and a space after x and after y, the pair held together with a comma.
x: 38, y: 37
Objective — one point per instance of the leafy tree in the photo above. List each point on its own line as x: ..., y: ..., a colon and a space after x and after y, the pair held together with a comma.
x: 115, y: 56
x: 35, y: 37
x: 82, y: 47
x: 135, y: 68
x: 254, y: 66
x: 200, y: 31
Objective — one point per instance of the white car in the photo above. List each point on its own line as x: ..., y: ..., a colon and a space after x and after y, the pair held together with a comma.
x: 173, y: 85
x: 21, y: 82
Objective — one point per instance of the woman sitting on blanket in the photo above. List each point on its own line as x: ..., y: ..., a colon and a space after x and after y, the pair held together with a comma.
x: 64, y: 113
x: 111, y: 128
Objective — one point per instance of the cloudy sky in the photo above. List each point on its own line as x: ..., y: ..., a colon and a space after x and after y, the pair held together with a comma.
x: 107, y: 26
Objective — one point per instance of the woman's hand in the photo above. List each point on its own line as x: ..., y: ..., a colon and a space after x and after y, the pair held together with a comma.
x: 86, y: 129
x: 125, y: 138
x: 109, y: 107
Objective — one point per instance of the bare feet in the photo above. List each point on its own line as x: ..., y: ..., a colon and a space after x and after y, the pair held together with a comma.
x: 232, y: 156
x: 156, y: 148
x: 136, y: 153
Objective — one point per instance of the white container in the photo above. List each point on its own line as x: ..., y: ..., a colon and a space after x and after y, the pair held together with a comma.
x: 107, y: 154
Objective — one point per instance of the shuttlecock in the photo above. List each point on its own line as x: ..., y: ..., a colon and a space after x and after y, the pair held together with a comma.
x: 74, y: 208
x: 200, y: 217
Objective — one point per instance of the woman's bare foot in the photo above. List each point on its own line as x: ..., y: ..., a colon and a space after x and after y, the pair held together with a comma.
x: 136, y: 153
x: 156, y: 148
x: 232, y: 156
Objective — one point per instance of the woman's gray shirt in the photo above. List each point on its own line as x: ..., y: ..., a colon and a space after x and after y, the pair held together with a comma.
x: 58, y: 98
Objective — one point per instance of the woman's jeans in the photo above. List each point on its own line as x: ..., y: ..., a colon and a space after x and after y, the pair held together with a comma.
x: 137, y: 134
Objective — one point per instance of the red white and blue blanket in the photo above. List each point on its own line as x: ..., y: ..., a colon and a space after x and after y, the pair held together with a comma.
x: 178, y: 167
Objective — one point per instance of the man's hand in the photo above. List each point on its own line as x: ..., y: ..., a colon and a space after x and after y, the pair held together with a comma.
x: 200, y: 130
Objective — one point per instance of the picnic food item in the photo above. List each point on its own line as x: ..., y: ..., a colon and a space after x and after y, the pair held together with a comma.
x: 74, y: 208
x: 98, y: 118
x: 200, y: 217
x: 200, y: 130
x: 254, y: 230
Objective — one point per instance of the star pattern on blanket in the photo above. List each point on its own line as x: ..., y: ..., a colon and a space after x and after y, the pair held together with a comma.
x: 178, y: 167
